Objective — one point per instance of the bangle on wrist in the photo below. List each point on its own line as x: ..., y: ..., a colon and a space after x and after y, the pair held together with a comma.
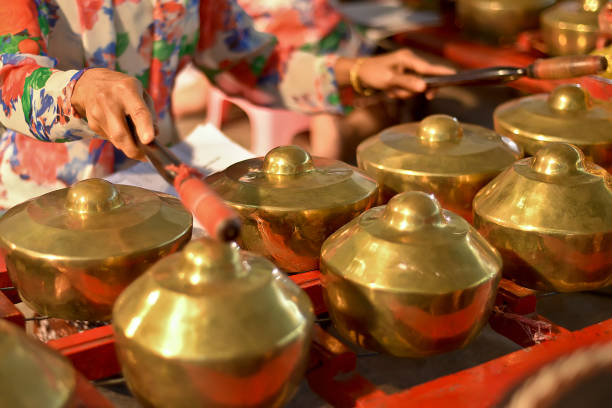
x: 354, y: 79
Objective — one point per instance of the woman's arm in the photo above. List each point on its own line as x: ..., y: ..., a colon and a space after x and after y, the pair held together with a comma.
x: 241, y: 60
x: 398, y: 74
x: 48, y: 104
x: 35, y: 97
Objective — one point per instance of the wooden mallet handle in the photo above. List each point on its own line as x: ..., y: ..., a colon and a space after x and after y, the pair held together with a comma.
x: 217, y: 218
x: 567, y: 67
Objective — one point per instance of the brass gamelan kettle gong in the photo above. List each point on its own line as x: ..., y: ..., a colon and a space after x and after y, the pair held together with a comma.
x: 499, y: 20
x: 71, y: 252
x: 213, y: 326
x: 410, y: 278
x: 550, y: 216
x: 33, y: 376
x: 571, y: 27
x: 440, y: 156
x: 290, y: 202
x: 568, y: 114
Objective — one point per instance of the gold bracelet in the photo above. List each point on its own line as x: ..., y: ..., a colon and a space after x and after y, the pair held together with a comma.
x: 354, y: 78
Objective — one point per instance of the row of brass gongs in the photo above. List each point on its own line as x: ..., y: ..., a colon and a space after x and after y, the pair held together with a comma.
x: 225, y: 327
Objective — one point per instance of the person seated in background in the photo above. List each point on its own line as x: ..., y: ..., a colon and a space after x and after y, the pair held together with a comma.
x: 71, y: 71
x: 316, y: 26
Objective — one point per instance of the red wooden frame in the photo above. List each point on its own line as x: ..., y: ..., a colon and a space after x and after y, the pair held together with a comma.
x: 8, y: 310
x: 92, y: 352
x: 87, y: 396
x: 485, y: 384
x: 480, y: 386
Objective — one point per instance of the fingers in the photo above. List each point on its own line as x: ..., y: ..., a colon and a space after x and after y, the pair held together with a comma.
x: 107, y: 98
x: 110, y: 122
x: 120, y: 135
x: 137, y: 109
x: 405, y: 85
x: 430, y: 69
x: 417, y: 64
x: 399, y: 93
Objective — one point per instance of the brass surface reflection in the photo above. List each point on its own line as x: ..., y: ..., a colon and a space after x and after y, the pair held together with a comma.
x: 31, y: 374
x: 409, y: 279
x: 72, y: 251
x: 289, y: 203
x: 550, y: 216
x: 439, y: 156
x: 213, y: 326
x: 568, y: 114
x: 571, y: 27
x: 499, y: 21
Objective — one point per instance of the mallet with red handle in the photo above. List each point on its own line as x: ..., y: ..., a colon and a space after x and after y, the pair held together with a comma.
x: 219, y: 220
x: 547, y: 68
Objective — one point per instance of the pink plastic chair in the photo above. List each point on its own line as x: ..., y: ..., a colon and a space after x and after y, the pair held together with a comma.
x: 269, y: 127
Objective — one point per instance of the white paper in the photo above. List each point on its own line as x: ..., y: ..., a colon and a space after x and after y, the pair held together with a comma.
x: 206, y: 149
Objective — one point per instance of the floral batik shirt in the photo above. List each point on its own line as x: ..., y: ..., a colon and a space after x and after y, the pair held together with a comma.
x: 307, y: 25
x: 45, y: 45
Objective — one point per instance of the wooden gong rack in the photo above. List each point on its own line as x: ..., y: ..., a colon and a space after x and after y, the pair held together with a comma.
x: 332, y: 372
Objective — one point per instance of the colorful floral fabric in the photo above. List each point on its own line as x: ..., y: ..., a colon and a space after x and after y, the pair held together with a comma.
x: 46, y: 44
x: 298, y: 23
x: 312, y: 26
